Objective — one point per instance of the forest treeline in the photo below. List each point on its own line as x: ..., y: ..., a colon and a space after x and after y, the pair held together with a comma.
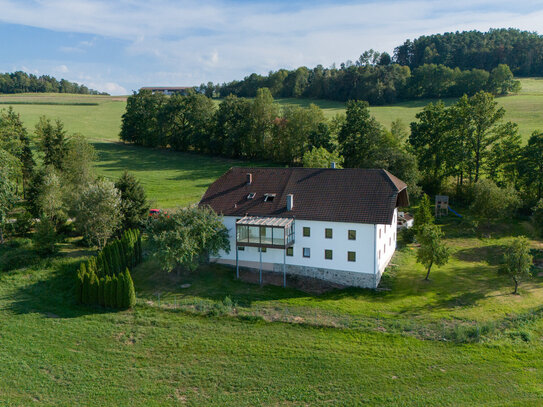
x: 522, y: 51
x: 22, y: 82
x: 435, y: 66
x: 372, y: 80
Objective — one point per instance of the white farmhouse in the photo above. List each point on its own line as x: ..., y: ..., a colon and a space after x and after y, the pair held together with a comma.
x: 337, y: 225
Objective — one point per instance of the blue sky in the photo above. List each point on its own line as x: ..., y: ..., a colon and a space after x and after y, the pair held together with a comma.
x: 120, y: 45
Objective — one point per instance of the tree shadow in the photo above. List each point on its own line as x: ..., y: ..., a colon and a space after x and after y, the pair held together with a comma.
x: 114, y: 157
x: 53, y: 297
x: 492, y: 255
x: 214, y: 282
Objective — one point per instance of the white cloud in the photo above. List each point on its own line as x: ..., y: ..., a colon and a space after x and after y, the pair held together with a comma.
x: 109, y: 87
x: 61, y: 69
x: 194, y: 42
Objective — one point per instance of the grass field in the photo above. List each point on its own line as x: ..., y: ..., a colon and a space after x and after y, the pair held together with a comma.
x: 173, y: 179
x: 459, y: 340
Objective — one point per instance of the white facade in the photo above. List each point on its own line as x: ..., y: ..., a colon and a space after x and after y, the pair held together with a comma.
x: 372, y: 245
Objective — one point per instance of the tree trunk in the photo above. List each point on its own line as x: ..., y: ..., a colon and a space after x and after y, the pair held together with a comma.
x: 516, y: 286
x: 1, y: 235
x: 428, y: 273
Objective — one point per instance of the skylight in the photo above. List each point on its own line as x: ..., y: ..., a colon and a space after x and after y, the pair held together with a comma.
x: 269, y: 197
x: 251, y: 195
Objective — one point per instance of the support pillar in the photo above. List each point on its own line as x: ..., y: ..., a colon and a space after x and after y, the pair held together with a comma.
x: 285, y: 268
x: 260, y: 269
x: 237, y: 262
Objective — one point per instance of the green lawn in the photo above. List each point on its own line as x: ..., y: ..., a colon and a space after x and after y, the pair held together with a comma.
x: 460, y: 340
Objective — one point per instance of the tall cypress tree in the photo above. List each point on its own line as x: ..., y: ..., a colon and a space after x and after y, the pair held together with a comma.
x: 85, y: 290
x: 134, y: 205
x: 80, y: 280
x: 120, y: 290
x: 130, y: 292
x: 113, y: 292
x: 101, y: 291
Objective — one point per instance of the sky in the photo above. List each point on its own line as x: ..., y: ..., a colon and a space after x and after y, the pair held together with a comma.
x: 118, y: 46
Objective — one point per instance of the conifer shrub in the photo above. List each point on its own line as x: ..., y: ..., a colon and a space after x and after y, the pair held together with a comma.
x: 105, y: 279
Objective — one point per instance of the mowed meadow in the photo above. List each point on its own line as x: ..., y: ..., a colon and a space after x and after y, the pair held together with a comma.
x: 205, y: 338
x: 173, y: 179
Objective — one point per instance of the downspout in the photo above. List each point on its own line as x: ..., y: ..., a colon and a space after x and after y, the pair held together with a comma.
x: 375, y: 265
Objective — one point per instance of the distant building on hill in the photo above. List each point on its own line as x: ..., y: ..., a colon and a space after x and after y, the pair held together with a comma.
x: 337, y: 225
x: 169, y: 90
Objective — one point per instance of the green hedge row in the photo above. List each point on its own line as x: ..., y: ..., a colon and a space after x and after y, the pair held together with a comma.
x: 105, y: 279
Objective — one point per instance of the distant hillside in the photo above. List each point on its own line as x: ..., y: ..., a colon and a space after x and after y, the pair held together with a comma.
x: 21, y: 82
x: 522, y: 51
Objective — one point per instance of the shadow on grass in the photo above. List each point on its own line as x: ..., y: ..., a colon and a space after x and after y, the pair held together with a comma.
x: 493, y: 255
x: 120, y: 157
x: 210, y: 281
x: 53, y: 295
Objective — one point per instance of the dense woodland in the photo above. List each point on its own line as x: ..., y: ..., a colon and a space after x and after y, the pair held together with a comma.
x: 436, y: 66
x: 22, y: 82
x: 522, y: 51
x: 374, y: 79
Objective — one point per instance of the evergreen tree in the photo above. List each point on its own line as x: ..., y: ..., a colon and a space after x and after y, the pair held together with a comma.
x: 85, y: 290
x: 93, y: 300
x: 120, y: 290
x: 129, y: 292
x: 80, y: 281
x: 52, y: 142
x: 107, y: 291
x: 101, y: 291
x: 134, y: 205
x: 113, y: 292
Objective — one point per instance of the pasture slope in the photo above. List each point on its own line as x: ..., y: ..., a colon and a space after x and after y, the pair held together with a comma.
x: 459, y: 340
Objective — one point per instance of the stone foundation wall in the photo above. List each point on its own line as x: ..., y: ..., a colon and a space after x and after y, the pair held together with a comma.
x: 347, y: 278
x: 342, y: 277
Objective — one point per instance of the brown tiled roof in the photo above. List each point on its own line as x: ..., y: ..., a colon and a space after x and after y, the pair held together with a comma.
x: 338, y: 195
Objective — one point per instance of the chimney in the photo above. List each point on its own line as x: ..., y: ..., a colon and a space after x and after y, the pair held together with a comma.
x: 249, y: 178
x: 333, y: 164
x: 290, y: 202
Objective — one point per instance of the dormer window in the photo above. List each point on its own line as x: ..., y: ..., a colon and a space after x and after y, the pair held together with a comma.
x: 251, y: 195
x: 269, y: 197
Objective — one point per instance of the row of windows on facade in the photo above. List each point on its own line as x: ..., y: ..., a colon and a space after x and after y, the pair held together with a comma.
x: 328, y: 253
x: 328, y: 233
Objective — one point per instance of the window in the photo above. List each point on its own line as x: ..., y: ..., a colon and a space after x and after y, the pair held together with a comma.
x: 389, y: 241
x: 379, y: 254
x: 263, y: 249
x: 384, y: 249
x: 351, y: 256
x: 352, y: 234
x: 307, y: 252
x: 379, y: 233
x: 290, y: 251
x: 251, y: 195
x: 328, y: 233
x: 241, y: 248
x: 307, y: 231
x: 328, y: 254
x: 269, y: 197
